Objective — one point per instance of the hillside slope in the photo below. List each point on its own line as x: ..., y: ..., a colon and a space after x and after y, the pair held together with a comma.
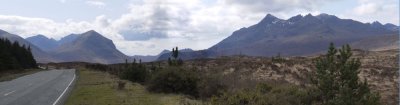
x: 90, y: 47
x: 297, y: 36
x: 39, y: 55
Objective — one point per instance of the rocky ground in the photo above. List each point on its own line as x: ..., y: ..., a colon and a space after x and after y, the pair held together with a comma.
x: 379, y: 68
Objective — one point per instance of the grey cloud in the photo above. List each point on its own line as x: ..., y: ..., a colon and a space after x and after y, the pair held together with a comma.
x: 277, y: 5
x: 134, y: 35
x: 157, y: 25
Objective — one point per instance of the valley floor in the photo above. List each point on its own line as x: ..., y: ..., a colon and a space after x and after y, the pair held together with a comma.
x: 379, y: 68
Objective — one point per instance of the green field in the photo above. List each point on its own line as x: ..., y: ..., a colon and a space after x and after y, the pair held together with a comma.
x: 99, y: 88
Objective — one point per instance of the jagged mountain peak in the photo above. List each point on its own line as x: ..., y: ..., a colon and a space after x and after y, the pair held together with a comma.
x: 324, y: 16
x: 269, y: 19
x: 270, y: 16
x: 91, y: 33
x: 376, y: 24
x: 295, y: 18
x: 309, y: 17
x: 93, y: 37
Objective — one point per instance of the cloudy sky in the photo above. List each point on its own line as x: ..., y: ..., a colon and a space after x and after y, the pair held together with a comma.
x: 146, y: 27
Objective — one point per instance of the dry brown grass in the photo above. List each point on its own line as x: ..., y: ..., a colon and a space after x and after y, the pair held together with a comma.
x: 380, y: 68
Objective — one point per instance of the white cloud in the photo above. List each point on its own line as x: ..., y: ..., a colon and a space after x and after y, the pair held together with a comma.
x: 27, y: 26
x: 368, y: 8
x: 268, y: 6
x: 386, y: 11
x: 98, y: 4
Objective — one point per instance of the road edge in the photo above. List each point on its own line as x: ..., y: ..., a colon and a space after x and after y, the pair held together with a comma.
x: 64, y: 97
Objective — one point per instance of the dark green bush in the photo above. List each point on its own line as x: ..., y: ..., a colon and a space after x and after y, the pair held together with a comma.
x: 135, y: 73
x: 174, y: 80
x: 210, y: 86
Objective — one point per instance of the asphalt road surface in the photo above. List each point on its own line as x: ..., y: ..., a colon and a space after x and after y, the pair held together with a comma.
x: 42, y: 88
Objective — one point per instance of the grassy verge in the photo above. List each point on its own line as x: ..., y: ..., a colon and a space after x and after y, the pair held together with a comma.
x: 99, y: 88
x: 12, y: 74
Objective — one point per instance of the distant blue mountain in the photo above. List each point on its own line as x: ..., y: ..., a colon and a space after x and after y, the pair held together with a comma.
x: 88, y: 47
x: 68, y: 38
x: 390, y: 26
x: 44, y: 43
x: 163, y: 54
x: 49, y: 44
x: 39, y: 54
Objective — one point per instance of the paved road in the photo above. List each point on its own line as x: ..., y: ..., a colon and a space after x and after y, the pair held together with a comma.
x: 42, y: 88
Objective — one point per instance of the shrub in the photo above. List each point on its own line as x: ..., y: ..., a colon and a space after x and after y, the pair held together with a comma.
x: 210, y: 86
x: 135, y: 73
x: 174, y: 80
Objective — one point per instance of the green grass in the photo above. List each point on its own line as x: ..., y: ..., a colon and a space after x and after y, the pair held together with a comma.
x: 13, y: 74
x: 98, y: 88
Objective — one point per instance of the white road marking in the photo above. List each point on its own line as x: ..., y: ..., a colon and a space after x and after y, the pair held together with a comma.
x: 9, y: 93
x: 59, y: 97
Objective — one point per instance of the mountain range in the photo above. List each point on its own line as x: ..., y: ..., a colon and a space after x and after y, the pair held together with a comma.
x: 39, y: 54
x: 44, y: 43
x: 296, y: 36
x: 86, y: 47
x: 302, y: 36
x: 162, y: 54
x: 89, y: 47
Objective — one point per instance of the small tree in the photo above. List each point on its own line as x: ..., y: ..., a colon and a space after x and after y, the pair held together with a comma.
x: 135, y: 73
x: 175, y: 61
x: 337, y: 82
x: 175, y: 53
